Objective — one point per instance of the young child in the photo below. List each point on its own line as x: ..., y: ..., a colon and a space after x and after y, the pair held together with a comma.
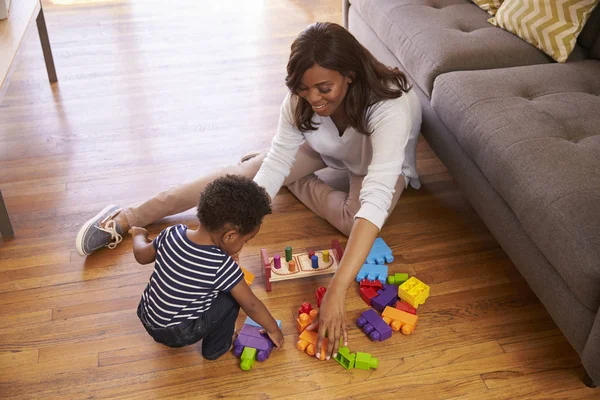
x: 197, y: 288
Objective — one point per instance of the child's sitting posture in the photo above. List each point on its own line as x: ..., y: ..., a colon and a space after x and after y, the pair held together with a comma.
x: 197, y: 288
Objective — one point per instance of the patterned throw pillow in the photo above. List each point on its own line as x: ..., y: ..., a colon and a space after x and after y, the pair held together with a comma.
x: 550, y: 25
x: 491, y: 6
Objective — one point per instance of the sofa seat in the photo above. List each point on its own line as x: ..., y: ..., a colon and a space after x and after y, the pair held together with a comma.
x: 534, y: 132
x: 431, y: 37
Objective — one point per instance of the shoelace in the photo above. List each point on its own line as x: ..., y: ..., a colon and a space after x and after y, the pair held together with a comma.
x: 115, y: 238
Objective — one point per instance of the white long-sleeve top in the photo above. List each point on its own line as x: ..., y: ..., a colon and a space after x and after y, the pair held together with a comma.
x: 382, y: 157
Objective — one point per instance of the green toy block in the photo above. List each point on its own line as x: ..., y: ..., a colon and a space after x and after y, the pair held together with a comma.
x: 247, y: 358
x: 365, y: 361
x: 344, y: 358
x: 397, y: 279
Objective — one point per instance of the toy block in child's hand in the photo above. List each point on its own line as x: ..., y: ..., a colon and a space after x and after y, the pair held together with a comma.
x: 305, y: 309
x: 365, y: 361
x: 308, y: 342
x: 400, y: 320
x: 373, y: 284
x: 305, y: 320
x: 385, y: 297
x: 373, y: 272
x: 380, y: 253
x: 397, y: 279
x: 404, y: 306
x: 247, y: 358
x: 374, y: 326
x: 320, y: 293
x: 414, y: 292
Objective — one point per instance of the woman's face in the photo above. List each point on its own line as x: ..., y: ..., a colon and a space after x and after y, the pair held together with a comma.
x: 324, y: 89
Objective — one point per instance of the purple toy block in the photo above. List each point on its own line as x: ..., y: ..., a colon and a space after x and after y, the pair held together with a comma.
x: 237, y: 350
x: 374, y: 326
x: 257, y: 343
x: 386, y: 297
x: 262, y: 355
x: 251, y: 330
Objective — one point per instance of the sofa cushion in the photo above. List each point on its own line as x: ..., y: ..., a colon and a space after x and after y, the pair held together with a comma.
x: 430, y: 37
x: 491, y: 6
x: 534, y: 132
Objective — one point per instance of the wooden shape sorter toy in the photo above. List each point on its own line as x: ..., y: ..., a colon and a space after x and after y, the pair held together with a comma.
x: 288, y: 265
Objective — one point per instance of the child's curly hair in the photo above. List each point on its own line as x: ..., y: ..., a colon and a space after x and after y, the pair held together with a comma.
x: 235, y: 200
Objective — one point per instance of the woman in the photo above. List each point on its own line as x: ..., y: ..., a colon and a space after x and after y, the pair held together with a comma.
x: 345, y: 110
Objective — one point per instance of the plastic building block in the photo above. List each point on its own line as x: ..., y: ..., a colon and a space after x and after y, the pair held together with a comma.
x: 365, y: 361
x: 374, y: 284
x: 372, y: 272
x: 374, y: 326
x: 367, y: 293
x: 305, y: 309
x: 404, y: 306
x: 308, y: 342
x: 248, y: 276
x: 414, y: 292
x: 385, y: 297
x: 344, y: 358
x: 247, y: 358
x: 320, y: 293
x: 250, y: 321
x: 305, y: 320
x: 400, y: 320
x: 397, y: 279
x: 250, y: 336
x: 380, y: 253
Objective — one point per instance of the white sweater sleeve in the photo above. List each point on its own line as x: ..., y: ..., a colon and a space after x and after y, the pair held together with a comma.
x: 280, y: 158
x: 391, y: 125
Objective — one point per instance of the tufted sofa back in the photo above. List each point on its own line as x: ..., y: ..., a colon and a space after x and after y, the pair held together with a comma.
x: 589, y: 39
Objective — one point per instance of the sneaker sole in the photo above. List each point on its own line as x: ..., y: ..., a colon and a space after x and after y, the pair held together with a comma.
x: 84, y: 229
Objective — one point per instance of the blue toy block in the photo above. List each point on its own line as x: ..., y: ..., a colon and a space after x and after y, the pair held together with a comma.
x: 250, y: 321
x: 374, y: 326
x: 380, y: 253
x: 385, y: 297
x: 373, y: 272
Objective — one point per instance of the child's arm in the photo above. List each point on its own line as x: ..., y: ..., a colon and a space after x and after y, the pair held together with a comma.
x: 257, y: 311
x: 143, y: 249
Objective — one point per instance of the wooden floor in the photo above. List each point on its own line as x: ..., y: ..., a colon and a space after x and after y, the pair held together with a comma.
x: 152, y: 93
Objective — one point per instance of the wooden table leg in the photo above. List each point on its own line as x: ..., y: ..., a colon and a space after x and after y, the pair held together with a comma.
x: 41, y: 24
x: 6, y: 229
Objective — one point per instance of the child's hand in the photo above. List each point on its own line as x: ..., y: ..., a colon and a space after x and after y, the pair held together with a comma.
x: 276, y: 337
x: 136, y: 230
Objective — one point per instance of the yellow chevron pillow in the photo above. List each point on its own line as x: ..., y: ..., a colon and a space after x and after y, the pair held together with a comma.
x: 550, y: 25
x: 491, y: 6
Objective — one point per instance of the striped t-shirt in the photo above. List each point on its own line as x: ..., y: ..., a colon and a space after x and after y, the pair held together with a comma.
x: 186, y: 278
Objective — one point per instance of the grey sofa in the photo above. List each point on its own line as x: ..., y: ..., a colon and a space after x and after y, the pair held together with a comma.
x: 519, y: 133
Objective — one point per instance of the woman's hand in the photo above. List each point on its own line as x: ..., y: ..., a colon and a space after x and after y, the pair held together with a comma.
x: 332, y: 322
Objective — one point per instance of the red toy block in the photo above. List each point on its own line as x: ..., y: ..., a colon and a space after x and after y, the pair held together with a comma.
x: 404, y: 306
x: 305, y: 309
x: 367, y: 293
x: 305, y: 320
x: 375, y: 284
x: 320, y: 293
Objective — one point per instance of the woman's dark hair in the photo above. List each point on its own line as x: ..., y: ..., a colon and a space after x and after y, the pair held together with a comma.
x: 234, y: 200
x: 333, y: 47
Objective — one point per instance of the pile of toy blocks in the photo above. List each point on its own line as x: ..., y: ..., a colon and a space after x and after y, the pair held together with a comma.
x: 396, y: 297
x: 251, y: 344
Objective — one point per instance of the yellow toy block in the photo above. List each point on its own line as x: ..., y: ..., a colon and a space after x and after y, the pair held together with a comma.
x: 414, y: 292
x: 399, y: 320
x: 248, y: 276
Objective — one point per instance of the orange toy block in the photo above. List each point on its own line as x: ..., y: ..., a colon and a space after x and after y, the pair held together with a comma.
x: 305, y: 320
x: 308, y: 342
x: 399, y: 320
x: 248, y: 276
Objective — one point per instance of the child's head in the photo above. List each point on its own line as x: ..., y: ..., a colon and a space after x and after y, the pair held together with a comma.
x: 334, y: 74
x: 231, y: 209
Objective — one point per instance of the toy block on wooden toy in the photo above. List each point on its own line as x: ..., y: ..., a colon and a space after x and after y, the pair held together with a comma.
x: 320, y: 293
x: 365, y: 361
x: 305, y: 320
x: 414, y: 292
x: 247, y: 358
x: 400, y: 320
x: 372, y: 272
x: 311, y: 263
x: 385, y: 297
x: 380, y: 253
x: 308, y: 342
x: 404, y: 306
x: 344, y: 358
x: 397, y: 279
x: 374, y: 326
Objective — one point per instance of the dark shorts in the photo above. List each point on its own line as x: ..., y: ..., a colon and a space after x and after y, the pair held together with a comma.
x: 214, y: 327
